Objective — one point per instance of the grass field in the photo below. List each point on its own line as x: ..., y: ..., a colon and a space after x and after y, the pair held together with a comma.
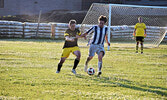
x: 27, y: 71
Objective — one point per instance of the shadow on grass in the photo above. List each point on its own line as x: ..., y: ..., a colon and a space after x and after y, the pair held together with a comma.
x: 112, y: 81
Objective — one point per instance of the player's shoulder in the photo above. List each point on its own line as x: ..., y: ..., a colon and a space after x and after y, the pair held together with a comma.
x: 137, y: 23
x: 143, y: 23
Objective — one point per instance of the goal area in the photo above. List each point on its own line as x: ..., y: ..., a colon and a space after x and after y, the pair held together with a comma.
x: 122, y: 19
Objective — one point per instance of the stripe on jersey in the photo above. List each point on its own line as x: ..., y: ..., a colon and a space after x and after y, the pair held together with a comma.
x: 95, y: 35
x: 100, y: 37
x: 105, y: 35
x: 90, y: 30
x: 99, y: 34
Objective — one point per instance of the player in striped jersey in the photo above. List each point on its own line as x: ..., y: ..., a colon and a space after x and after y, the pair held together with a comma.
x: 97, y: 46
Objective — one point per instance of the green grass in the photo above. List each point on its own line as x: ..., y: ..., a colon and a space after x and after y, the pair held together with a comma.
x: 27, y: 71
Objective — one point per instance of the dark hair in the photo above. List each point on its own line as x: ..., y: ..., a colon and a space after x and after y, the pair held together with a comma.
x: 103, y: 18
x: 72, y: 21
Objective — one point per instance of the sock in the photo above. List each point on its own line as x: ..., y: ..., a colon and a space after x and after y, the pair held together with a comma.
x: 137, y: 48
x: 75, y: 63
x: 141, y: 47
x: 59, y: 67
x: 99, y: 66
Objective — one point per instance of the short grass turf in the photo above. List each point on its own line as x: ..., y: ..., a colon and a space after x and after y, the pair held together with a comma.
x: 28, y: 66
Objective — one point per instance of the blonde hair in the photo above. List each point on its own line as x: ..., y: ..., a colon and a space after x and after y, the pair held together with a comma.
x: 72, y: 21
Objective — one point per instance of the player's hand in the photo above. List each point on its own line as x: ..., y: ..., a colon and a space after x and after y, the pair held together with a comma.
x: 108, y: 43
x: 72, y: 40
x: 145, y: 35
x: 134, y: 34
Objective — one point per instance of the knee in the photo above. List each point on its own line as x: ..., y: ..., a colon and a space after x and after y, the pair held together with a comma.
x: 137, y: 43
x: 78, y: 57
x: 61, y: 62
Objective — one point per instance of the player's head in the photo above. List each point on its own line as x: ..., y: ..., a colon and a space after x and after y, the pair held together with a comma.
x: 102, y: 20
x: 72, y: 24
x: 139, y: 19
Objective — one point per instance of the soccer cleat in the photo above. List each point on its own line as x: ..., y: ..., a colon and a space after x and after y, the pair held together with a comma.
x: 57, y: 71
x: 99, y: 73
x: 86, y: 66
x: 136, y: 51
x: 141, y: 52
x: 73, y: 71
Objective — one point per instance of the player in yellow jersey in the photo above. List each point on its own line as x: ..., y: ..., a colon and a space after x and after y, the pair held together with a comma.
x: 140, y: 34
x: 70, y: 46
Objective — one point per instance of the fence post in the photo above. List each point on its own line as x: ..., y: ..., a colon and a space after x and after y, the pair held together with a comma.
x: 53, y: 31
x: 23, y: 36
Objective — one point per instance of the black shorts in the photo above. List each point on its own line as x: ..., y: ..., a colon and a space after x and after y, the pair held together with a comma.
x: 141, y: 39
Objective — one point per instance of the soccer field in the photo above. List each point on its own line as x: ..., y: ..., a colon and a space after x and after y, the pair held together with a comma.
x: 27, y: 71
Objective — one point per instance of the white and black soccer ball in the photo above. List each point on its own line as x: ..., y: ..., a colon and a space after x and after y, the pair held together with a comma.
x: 91, y: 71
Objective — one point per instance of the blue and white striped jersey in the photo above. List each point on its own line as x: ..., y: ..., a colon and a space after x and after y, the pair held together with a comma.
x: 98, y: 36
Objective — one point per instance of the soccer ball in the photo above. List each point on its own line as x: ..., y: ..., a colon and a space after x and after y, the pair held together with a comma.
x: 91, y: 71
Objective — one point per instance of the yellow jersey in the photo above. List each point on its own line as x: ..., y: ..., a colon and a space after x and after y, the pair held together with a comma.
x: 140, y: 29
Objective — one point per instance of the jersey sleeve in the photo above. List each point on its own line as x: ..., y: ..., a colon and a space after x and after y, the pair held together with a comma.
x: 66, y: 33
x: 136, y: 26
x: 90, y: 30
x: 106, y: 30
x: 78, y: 32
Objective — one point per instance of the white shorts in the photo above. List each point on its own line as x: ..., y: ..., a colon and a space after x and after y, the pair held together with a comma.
x: 96, y: 48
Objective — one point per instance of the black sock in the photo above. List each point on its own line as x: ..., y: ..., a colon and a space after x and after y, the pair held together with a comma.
x: 75, y: 63
x: 137, y: 48
x: 59, y: 67
x: 141, y: 47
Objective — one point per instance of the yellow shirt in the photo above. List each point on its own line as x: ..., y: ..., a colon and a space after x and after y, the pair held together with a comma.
x: 140, y: 27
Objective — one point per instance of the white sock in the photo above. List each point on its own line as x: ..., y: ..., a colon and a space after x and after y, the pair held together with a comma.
x: 99, y: 66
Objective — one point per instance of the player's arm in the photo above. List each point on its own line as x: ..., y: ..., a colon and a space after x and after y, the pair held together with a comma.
x: 134, y: 32
x: 79, y: 35
x: 106, y: 38
x: 83, y: 35
x: 88, y: 32
x: 67, y: 37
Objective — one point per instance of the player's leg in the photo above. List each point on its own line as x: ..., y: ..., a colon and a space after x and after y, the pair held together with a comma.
x: 100, y: 57
x: 76, y: 61
x: 65, y: 54
x: 87, y: 61
x: 137, y: 43
x: 92, y: 51
x: 141, y: 47
x: 141, y: 42
x: 137, y: 46
x: 62, y: 60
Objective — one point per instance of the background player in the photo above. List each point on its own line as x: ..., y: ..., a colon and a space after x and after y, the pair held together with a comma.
x: 140, y: 33
x: 70, y: 46
x: 97, y: 44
